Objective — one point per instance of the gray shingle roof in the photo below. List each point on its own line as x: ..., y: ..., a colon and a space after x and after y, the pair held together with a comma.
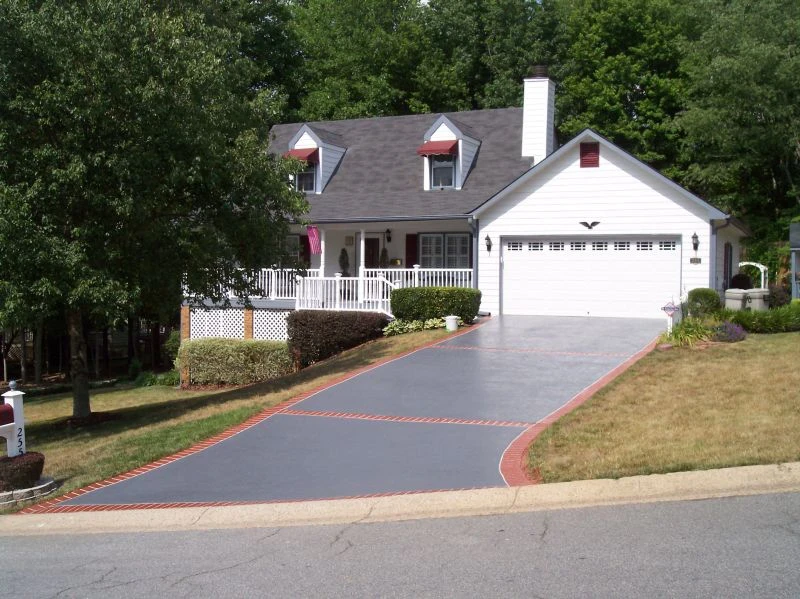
x: 380, y: 175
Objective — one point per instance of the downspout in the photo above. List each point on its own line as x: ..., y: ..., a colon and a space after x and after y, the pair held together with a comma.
x: 474, y: 228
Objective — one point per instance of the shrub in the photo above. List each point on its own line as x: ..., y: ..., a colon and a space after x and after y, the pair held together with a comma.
x: 22, y: 471
x: 399, y: 327
x: 779, y: 296
x: 729, y: 332
x: 134, y: 369
x: 688, y: 332
x: 318, y: 334
x: 422, y: 303
x: 780, y: 320
x: 703, y: 302
x: 741, y: 281
x: 215, y: 361
x: 172, y: 344
x: 147, y: 378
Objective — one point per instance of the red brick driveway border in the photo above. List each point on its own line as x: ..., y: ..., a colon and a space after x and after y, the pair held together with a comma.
x: 513, y: 465
x: 52, y: 505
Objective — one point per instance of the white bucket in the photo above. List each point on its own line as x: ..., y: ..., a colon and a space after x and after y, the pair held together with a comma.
x: 451, y: 323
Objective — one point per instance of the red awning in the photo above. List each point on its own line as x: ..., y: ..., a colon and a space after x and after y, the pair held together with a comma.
x: 432, y: 148
x: 310, y: 155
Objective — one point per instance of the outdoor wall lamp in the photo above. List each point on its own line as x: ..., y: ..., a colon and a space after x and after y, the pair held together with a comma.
x: 488, y: 241
x: 388, y: 236
x: 695, y: 242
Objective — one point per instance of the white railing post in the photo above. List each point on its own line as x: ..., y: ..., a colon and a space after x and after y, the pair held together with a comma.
x: 415, y: 278
x: 300, y: 294
x: 338, y: 290
x: 360, y: 284
x: 273, y: 283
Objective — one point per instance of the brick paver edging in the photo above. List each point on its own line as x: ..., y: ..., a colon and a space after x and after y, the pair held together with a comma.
x: 51, y: 506
x: 513, y: 467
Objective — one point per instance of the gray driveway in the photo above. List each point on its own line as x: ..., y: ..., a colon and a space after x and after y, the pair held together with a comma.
x: 439, y: 418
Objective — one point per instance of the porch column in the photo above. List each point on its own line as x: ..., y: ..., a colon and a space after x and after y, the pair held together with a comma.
x: 362, y: 264
x: 322, y: 254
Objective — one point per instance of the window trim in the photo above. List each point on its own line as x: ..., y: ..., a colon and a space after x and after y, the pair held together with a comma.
x: 311, y: 169
x: 444, y: 255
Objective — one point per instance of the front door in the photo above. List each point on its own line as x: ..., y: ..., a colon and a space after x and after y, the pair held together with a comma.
x: 372, y: 252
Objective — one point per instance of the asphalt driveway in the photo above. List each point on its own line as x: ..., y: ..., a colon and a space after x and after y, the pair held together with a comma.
x: 439, y: 418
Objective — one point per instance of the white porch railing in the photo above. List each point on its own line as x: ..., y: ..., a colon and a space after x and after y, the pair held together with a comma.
x: 279, y: 283
x: 345, y: 293
x: 422, y: 277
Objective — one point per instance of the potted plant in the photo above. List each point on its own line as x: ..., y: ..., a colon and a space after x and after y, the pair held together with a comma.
x: 344, y: 263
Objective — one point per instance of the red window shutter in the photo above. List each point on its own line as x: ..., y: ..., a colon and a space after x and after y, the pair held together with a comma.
x: 411, y: 250
x: 305, y: 250
x: 590, y: 154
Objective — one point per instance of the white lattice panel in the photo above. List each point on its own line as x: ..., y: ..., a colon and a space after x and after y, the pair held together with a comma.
x: 270, y: 324
x: 218, y: 323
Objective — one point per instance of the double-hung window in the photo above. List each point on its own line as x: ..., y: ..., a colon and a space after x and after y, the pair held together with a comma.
x: 444, y: 250
x: 306, y: 179
x: 443, y: 171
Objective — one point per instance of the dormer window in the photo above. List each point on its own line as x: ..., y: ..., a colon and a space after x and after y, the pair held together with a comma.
x: 443, y: 171
x: 306, y: 179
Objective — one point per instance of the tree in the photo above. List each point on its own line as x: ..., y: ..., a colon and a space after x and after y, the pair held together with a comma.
x: 617, y: 67
x: 133, y: 143
x: 476, y: 53
x: 358, y: 56
x: 742, y: 118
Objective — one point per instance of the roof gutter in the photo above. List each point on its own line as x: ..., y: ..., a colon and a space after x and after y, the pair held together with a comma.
x: 384, y: 219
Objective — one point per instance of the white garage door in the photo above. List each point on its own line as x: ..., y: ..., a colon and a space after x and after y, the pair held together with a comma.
x: 592, y: 276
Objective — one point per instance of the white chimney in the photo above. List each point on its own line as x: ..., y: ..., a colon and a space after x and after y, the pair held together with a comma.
x: 538, y: 110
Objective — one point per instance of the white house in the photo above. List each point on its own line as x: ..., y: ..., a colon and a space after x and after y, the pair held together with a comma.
x: 483, y: 198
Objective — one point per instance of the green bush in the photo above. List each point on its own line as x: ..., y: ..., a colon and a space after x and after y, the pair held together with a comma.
x: 400, y: 327
x: 172, y: 344
x: 422, y: 303
x: 147, y: 378
x: 688, y: 332
x: 318, y: 334
x: 215, y: 361
x: 703, y: 302
x: 779, y: 320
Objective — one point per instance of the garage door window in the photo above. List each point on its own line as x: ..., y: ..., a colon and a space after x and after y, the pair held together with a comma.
x: 444, y: 250
x: 644, y: 246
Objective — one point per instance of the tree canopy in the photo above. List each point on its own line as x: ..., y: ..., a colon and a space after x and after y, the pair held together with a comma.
x: 133, y: 138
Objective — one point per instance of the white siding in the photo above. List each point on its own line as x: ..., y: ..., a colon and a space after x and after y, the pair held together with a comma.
x: 305, y: 142
x: 538, y: 110
x: 443, y: 133
x: 625, y: 199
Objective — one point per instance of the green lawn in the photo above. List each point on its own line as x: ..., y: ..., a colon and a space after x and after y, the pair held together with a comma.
x: 683, y: 409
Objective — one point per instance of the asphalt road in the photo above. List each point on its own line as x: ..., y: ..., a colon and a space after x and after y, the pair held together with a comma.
x: 735, y: 547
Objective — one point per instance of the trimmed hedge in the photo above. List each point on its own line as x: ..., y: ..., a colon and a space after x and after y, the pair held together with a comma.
x: 21, y: 472
x: 703, y: 302
x: 778, y: 320
x: 215, y: 361
x: 318, y: 334
x: 424, y: 303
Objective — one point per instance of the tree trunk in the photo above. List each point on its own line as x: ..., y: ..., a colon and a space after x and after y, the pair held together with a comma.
x: 37, y: 353
x: 23, y: 360
x: 79, y: 365
x: 155, y: 342
x: 133, y: 339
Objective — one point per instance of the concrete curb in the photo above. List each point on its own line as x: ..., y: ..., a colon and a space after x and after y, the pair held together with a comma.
x: 708, y: 484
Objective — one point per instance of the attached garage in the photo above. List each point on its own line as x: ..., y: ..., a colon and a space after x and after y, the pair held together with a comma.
x: 615, y: 276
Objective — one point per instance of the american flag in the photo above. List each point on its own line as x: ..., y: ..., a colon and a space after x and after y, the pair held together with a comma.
x: 313, y: 240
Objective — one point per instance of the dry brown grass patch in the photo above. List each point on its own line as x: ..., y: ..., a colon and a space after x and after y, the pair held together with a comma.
x: 684, y: 409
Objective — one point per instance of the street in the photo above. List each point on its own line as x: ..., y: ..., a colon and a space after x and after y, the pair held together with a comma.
x: 745, y: 546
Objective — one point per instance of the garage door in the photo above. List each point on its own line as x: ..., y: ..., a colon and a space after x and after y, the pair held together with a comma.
x: 593, y: 276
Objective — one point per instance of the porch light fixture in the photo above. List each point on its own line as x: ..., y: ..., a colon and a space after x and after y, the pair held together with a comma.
x: 488, y: 241
x: 695, y: 242
x: 388, y: 236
